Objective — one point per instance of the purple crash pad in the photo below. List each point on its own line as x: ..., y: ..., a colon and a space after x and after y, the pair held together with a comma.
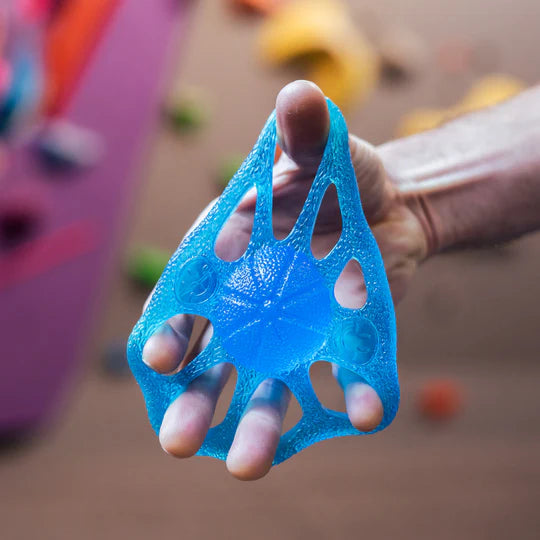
x: 45, y: 315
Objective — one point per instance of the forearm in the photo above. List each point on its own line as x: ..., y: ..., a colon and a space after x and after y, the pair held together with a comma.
x: 478, y: 176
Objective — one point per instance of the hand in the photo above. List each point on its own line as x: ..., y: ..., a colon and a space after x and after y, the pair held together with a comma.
x: 398, y: 226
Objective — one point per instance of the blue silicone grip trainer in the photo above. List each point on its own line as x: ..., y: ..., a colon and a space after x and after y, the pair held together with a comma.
x: 273, y: 310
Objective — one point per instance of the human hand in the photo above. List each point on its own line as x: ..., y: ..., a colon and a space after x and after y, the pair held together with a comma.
x: 399, y: 228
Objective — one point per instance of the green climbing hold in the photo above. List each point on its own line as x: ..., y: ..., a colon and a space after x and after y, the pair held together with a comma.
x: 146, y: 264
x: 187, y: 112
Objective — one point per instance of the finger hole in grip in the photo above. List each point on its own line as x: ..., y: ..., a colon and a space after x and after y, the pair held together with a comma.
x: 286, y: 210
x: 328, y: 224
x: 235, y: 236
x: 326, y: 387
x: 350, y: 289
x: 225, y: 397
x: 273, y: 310
x: 293, y: 415
x: 201, y: 334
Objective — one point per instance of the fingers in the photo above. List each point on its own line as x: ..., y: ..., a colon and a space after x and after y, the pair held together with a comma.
x: 166, y: 348
x: 303, y: 122
x: 259, y: 431
x: 376, y: 192
x: 188, y: 418
x: 364, y: 405
x: 235, y: 235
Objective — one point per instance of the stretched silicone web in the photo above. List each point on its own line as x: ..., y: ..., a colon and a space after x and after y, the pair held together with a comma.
x: 273, y: 310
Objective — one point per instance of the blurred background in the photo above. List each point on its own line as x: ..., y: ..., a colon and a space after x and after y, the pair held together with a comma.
x: 119, y: 121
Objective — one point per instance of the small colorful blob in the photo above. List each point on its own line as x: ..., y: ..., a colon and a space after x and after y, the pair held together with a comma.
x: 440, y: 399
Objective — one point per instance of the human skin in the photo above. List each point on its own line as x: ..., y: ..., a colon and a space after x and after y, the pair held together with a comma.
x: 474, y: 181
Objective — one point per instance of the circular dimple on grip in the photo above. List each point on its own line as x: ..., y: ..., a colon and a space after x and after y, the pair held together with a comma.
x: 275, y: 311
x: 357, y: 340
x: 196, y: 281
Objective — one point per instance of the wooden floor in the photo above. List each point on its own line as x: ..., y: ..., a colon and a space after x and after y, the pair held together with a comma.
x: 100, y: 474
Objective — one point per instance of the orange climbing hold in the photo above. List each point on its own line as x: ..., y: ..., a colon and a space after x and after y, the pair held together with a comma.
x: 440, y: 399
x: 69, y: 42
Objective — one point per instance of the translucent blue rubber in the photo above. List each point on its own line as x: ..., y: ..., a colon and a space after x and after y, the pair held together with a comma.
x: 273, y: 311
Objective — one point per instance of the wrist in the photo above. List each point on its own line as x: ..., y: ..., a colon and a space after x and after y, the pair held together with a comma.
x: 473, y: 181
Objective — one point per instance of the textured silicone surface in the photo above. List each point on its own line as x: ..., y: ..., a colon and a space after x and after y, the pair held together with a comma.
x: 273, y: 310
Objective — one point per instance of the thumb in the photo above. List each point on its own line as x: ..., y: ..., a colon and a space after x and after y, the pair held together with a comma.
x: 303, y: 122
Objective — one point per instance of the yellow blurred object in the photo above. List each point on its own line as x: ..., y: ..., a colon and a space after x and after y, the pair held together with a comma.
x: 420, y: 120
x: 491, y: 90
x: 486, y: 92
x: 321, y: 32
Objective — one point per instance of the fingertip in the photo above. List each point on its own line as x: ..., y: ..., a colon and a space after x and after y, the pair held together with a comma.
x: 254, y: 446
x: 295, y: 89
x: 164, y: 350
x: 187, y: 420
x: 176, y: 444
x: 185, y: 425
x: 303, y: 122
x: 364, y: 406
